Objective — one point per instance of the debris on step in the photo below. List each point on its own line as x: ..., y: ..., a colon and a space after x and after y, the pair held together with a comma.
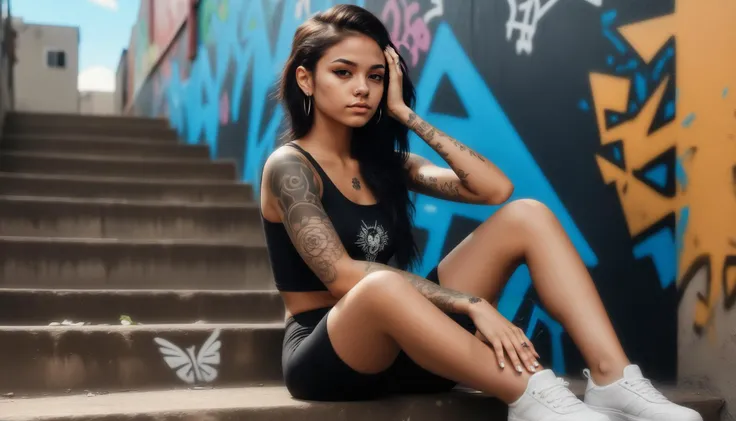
x: 126, y: 320
x: 68, y: 323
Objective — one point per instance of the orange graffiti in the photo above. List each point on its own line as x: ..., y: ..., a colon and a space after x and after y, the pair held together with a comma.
x: 700, y: 139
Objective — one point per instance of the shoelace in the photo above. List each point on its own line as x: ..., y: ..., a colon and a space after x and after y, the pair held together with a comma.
x: 645, y: 388
x: 558, y: 395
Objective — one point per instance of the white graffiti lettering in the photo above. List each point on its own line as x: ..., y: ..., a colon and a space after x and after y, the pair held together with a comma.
x: 524, y: 16
x: 303, y: 8
x: 437, y: 11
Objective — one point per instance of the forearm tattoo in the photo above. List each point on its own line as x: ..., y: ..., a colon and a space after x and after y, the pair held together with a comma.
x: 430, y: 185
x: 428, y: 133
x: 295, y: 186
x: 445, y: 299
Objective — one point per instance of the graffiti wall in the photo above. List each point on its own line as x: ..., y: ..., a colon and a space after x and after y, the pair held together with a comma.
x: 157, y: 25
x: 615, y: 113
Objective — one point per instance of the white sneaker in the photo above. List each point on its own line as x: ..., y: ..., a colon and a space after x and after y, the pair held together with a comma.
x: 547, y: 398
x: 633, y: 398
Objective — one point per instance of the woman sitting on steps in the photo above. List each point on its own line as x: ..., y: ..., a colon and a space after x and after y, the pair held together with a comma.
x: 336, y: 207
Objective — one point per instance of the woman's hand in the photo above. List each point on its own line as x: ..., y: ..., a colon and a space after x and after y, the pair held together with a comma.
x: 395, y: 98
x: 502, y: 336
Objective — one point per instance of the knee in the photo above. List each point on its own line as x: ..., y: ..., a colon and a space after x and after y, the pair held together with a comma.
x: 380, y: 287
x: 526, y: 213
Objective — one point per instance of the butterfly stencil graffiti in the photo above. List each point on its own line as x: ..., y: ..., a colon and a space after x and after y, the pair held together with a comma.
x: 191, y: 368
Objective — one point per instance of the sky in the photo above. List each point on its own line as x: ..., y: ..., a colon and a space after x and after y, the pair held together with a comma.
x: 104, y: 26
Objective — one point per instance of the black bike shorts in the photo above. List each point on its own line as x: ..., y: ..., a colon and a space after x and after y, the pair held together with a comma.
x: 313, y: 371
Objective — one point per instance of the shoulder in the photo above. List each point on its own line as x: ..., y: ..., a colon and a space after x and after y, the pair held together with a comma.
x: 287, y: 165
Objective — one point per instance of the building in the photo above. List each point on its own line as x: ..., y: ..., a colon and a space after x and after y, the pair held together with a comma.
x: 97, y: 103
x: 46, y: 68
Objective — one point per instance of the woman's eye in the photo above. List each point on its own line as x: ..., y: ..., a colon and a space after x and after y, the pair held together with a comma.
x: 341, y: 72
x: 377, y: 77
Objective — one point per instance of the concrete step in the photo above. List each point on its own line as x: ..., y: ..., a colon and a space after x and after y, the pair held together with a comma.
x: 81, y: 263
x: 32, y: 118
x: 38, y: 307
x: 103, y: 166
x: 118, y: 218
x: 164, y: 134
x: 106, y: 147
x: 274, y: 403
x: 89, y: 126
x: 55, y: 359
x: 124, y: 188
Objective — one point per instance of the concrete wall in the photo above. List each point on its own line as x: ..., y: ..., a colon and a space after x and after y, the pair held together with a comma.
x: 6, y: 63
x: 97, y: 103
x: 619, y: 115
x: 39, y: 87
x: 121, y: 83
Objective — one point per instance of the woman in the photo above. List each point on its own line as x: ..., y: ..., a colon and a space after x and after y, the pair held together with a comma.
x: 336, y: 207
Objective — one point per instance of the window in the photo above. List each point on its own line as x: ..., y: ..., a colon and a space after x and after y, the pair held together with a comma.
x: 56, y: 58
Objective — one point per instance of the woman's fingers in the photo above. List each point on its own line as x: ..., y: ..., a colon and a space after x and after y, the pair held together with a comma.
x: 523, y: 339
x: 394, y: 59
x: 389, y: 58
x: 530, y: 363
x: 498, y: 349
x: 508, y: 345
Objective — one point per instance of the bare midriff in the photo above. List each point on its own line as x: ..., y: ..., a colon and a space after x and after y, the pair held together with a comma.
x: 299, y: 302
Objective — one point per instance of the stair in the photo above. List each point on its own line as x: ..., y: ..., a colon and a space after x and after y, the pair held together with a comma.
x: 267, y: 403
x: 103, y: 217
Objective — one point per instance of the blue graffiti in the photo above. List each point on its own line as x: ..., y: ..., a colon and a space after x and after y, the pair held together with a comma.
x: 486, y: 129
x: 681, y: 229
x: 194, y: 104
x: 688, y: 120
x: 660, y: 247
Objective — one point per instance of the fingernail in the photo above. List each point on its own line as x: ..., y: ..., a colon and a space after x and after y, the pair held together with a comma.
x: 503, y: 365
x: 531, y: 368
x: 518, y: 368
x: 536, y: 364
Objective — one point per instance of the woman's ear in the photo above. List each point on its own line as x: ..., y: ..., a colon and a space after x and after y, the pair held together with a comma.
x: 305, y: 81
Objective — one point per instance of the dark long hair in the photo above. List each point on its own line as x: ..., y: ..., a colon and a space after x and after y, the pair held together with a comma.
x: 381, y: 146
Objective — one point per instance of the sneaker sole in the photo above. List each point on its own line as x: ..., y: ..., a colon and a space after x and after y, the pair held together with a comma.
x: 616, y: 415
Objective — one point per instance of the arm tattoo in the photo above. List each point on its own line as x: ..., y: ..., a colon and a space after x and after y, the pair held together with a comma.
x: 445, y: 299
x: 295, y: 186
x: 430, y: 185
x: 427, y: 132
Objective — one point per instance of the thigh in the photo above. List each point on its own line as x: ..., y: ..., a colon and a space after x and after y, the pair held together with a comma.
x: 313, y: 370
x: 406, y: 376
x: 484, y: 261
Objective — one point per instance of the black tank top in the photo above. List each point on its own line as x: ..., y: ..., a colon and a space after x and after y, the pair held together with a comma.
x: 366, y: 231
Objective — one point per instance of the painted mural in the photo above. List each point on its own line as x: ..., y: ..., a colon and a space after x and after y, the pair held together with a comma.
x: 668, y: 144
x: 595, y: 107
x: 157, y: 25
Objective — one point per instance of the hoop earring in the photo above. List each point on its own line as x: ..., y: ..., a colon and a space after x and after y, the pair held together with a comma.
x: 379, y: 114
x: 307, y: 104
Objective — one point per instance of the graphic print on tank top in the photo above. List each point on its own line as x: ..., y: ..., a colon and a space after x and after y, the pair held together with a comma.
x: 372, y: 239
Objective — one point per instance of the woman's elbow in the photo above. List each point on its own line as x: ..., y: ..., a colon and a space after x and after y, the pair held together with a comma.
x: 348, y: 274
x: 501, y: 194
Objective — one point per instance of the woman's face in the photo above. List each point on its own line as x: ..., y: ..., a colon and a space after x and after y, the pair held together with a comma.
x: 349, y: 81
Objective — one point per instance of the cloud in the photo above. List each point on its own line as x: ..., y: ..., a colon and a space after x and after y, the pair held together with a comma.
x: 110, y: 4
x: 96, y: 78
